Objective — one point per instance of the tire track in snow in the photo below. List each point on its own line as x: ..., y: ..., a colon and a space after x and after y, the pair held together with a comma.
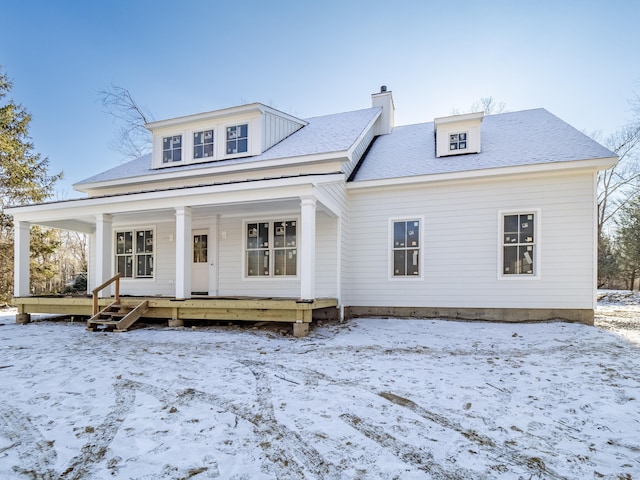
x: 533, y: 464
x: 94, y: 451
x: 416, y: 456
x: 36, y: 454
x: 287, y: 440
x: 288, y: 453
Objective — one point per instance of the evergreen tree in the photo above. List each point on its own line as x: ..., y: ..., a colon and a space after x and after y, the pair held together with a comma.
x: 608, y: 264
x: 629, y: 240
x: 23, y: 176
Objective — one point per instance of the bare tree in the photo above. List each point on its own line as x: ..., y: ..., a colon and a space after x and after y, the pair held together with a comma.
x: 619, y: 184
x: 488, y: 105
x: 133, y: 139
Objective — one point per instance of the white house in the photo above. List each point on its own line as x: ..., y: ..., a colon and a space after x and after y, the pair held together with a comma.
x: 468, y: 216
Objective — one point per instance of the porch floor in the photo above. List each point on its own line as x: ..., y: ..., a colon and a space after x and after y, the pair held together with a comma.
x: 261, y: 309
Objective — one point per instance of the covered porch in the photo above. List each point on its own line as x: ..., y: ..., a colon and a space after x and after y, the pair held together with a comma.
x: 177, y: 279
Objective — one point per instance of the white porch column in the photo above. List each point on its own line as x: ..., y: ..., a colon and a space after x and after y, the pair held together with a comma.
x: 104, y: 251
x: 307, y: 248
x: 183, y: 252
x: 21, y: 256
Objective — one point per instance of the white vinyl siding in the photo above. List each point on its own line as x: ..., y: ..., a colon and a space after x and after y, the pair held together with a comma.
x: 232, y: 266
x: 337, y: 248
x: 461, y: 250
x: 326, y: 255
x: 163, y: 282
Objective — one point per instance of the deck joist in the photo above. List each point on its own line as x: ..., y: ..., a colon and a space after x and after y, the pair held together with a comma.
x: 206, y: 308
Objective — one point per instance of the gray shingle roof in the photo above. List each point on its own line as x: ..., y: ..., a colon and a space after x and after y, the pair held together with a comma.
x: 510, y: 139
x: 325, y: 134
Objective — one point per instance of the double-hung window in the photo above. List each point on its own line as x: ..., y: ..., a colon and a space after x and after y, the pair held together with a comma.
x: 519, y: 244
x: 134, y: 253
x: 271, y: 248
x: 238, y: 139
x: 406, y: 248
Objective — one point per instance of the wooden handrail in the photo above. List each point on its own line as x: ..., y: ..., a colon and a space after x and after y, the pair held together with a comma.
x: 95, y: 291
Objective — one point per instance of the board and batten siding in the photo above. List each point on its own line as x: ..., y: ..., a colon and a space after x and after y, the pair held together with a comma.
x: 276, y: 128
x: 461, y: 249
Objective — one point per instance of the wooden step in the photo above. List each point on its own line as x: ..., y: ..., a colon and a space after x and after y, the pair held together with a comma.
x: 108, y: 317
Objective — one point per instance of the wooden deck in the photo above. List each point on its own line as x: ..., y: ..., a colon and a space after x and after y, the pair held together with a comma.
x: 288, y: 310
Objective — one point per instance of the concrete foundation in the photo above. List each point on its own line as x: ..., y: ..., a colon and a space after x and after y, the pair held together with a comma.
x: 176, y: 322
x: 300, y: 329
x: 23, y: 318
x: 515, y: 315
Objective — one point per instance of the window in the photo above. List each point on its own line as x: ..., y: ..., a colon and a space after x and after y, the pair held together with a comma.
x: 518, y: 244
x: 172, y: 149
x: 203, y: 144
x: 237, y: 139
x: 406, y: 248
x: 134, y: 253
x: 458, y: 141
x: 200, y: 248
x: 271, y: 248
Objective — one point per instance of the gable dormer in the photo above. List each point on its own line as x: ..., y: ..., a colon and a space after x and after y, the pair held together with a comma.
x: 220, y: 135
x: 458, y: 134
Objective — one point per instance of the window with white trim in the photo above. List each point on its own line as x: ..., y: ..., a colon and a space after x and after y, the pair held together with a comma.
x: 238, y: 139
x: 406, y: 248
x: 458, y: 141
x: 203, y: 144
x: 172, y: 149
x: 518, y: 244
x: 134, y: 253
x: 271, y: 249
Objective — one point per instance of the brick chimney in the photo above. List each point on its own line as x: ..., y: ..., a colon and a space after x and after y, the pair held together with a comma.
x: 384, y: 99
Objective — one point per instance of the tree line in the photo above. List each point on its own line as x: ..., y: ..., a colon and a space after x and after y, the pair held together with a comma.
x: 58, y: 261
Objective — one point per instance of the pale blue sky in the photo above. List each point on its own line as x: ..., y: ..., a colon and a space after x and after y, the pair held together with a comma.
x: 578, y: 59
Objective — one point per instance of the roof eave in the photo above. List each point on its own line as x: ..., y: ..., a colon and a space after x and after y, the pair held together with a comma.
x: 340, y: 155
x: 595, y: 164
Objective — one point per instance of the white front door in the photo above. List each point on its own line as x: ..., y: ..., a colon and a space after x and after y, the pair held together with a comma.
x: 201, y: 261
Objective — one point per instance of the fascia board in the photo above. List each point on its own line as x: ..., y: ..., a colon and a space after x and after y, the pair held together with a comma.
x: 592, y: 165
x: 363, y: 134
x: 465, y: 117
x: 272, y: 189
x: 216, y: 170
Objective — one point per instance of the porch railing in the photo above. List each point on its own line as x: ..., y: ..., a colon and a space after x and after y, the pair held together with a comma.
x: 96, y: 290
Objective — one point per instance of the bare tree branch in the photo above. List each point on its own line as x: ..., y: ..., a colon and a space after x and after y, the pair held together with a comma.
x: 133, y: 139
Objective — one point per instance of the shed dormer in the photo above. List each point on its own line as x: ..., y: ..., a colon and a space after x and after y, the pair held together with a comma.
x: 235, y: 132
x: 458, y: 134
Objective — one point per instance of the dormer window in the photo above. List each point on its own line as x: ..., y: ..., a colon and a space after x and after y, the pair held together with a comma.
x: 237, y: 139
x: 458, y: 141
x: 203, y: 144
x: 458, y: 134
x: 219, y: 135
x: 172, y: 149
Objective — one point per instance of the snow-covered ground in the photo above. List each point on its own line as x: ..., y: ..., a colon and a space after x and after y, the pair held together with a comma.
x: 366, y: 399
